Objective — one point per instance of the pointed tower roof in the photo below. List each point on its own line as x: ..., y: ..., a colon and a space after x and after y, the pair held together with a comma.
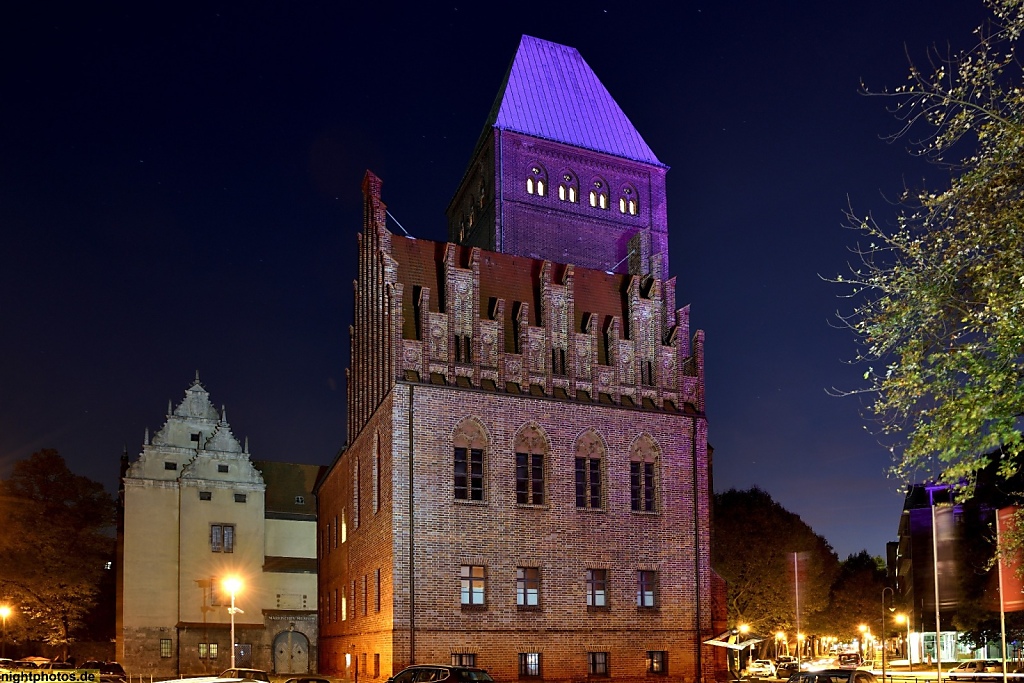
x: 550, y: 92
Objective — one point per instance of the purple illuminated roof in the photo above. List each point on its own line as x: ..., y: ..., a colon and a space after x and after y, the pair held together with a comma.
x: 550, y: 92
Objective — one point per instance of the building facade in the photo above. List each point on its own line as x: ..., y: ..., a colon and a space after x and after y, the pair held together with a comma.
x: 526, y: 482
x: 195, y: 509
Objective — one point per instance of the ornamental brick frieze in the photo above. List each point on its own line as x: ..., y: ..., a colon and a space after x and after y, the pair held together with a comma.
x: 437, y: 336
x: 490, y: 336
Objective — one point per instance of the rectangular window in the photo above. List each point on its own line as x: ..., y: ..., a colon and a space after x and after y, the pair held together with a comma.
x: 528, y: 586
x: 597, y: 588
x: 657, y: 662
x: 529, y: 478
x: 344, y: 607
x: 469, y: 474
x: 376, y: 481
x: 222, y: 538
x: 239, y: 497
x: 213, y: 650
x: 362, y: 661
x: 165, y: 647
x: 463, y: 659
x: 646, y: 587
x: 355, y: 496
x: 206, y: 495
x: 170, y: 465
x: 588, y: 483
x: 641, y: 486
x: 336, y: 529
x: 472, y: 583
x: 222, y: 468
x: 376, y: 665
x: 365, y: 603
x: 597, y: 663
x: 376, y: 592
x: 529, y: 664
x: 204, y: 651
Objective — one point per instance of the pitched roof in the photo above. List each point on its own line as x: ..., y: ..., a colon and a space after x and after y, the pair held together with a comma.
x: 287, y: 483
x: 550, y: 92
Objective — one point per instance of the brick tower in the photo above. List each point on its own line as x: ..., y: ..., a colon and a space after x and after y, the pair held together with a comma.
x: 526, y: 481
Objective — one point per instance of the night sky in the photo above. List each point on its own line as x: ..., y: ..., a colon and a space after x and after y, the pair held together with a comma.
x: 180, y: 191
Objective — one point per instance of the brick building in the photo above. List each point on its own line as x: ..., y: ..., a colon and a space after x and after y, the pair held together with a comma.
x: 526, y: 482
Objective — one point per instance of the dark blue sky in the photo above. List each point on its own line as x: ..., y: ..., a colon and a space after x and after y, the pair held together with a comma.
x: 179, y: 190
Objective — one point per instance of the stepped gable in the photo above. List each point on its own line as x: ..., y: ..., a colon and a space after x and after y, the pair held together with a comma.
x: 194, y: 414
x: 550, y: 92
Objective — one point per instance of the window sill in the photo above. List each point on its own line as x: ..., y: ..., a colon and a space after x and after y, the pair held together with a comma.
x: 464, y: 501
x: 474, y: 608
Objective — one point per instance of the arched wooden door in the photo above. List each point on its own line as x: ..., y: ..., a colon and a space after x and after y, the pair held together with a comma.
x: 291, y: 653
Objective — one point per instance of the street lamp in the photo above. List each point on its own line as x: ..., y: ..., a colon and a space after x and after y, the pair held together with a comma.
x: 233, y: 584
x: 778, y: 636
x: 901, y: 618
x: 882, y: 634
x: 5, y: 612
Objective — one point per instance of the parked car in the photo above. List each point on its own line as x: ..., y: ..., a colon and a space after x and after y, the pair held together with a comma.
x: 762, y: 668
x: 309, y: 679
x: 834, y: 676
x: 441, y: 673
x: 228, y: 676
x: 110, y: 672
x: 785, y: 670
x: 983, y: 669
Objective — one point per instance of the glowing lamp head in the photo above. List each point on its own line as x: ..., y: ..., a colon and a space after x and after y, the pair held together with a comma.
x: 5, y: 612
x: 744, y: 628
x: 232, y: 584
x: 901, y: 618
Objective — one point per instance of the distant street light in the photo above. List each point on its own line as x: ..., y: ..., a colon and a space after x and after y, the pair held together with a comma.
x: 779, y: 636
x: 5, y: 612
x: 901, y: 618
x: 882, y: 633
x: 233, y: 584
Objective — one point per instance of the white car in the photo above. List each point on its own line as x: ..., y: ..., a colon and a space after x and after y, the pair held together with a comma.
x: 230, y: 676
x: 761, y: 667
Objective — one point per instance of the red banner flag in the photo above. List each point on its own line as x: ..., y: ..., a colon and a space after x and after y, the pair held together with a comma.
x: 1013, y: 588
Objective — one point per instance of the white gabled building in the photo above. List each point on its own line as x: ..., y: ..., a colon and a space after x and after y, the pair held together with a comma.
x: 195, y: 509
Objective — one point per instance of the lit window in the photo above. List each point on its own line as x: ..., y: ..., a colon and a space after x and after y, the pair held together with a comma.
x: 528, y: 587
x: 213, y: 650
x: 627, y: 200
x: 165, y: 647
x: 536, y: 181
x: 472, y: 581
x: 657, y: 662
x: 599, y: 194
x: 529, y: 664
x: 568, y: 188
x: 203, y: 650
x: 597, y: 587
x: 645, y: 589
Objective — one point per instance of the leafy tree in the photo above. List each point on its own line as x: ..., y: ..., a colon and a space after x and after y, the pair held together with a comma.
x: 939, y: 309
x: 755, y: 539
x: 856, y: 596
x: 56, y: 542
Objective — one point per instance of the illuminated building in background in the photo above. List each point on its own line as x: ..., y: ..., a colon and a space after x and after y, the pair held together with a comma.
x: 527, y: 478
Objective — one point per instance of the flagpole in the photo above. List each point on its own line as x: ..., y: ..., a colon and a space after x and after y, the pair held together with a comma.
x: 1002, y: 606
x: 935, y: 568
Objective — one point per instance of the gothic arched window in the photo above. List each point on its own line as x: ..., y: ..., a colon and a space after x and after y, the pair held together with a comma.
x: 531, y: 448
x: 628, y: 200
x: 537, y: 181
x: 599, y: 194
x: 590, y: 459
x: 569, y: 188
x: 469, y: 444
x: 643, y: 475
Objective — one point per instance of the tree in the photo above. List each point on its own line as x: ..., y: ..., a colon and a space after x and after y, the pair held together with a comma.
x: 755, y: 540
x: 939, y: 297
x: 856, y: 597
x: 57, y: 540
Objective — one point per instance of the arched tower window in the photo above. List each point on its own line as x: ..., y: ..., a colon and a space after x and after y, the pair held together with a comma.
x: 590, y: 459
x: 599, y: 194
x: 469, y: 445
x: 644, y: 456
x: 537, y: 181
x: 531, y: 448
x: 569, y: 188
x: 628, y: 200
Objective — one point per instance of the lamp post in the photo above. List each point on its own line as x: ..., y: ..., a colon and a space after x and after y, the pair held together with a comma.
x: 900, y: 619
x: 233, y: 584
x: 778, y: 636
x: 882, y: 633
x: 5, y: 612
